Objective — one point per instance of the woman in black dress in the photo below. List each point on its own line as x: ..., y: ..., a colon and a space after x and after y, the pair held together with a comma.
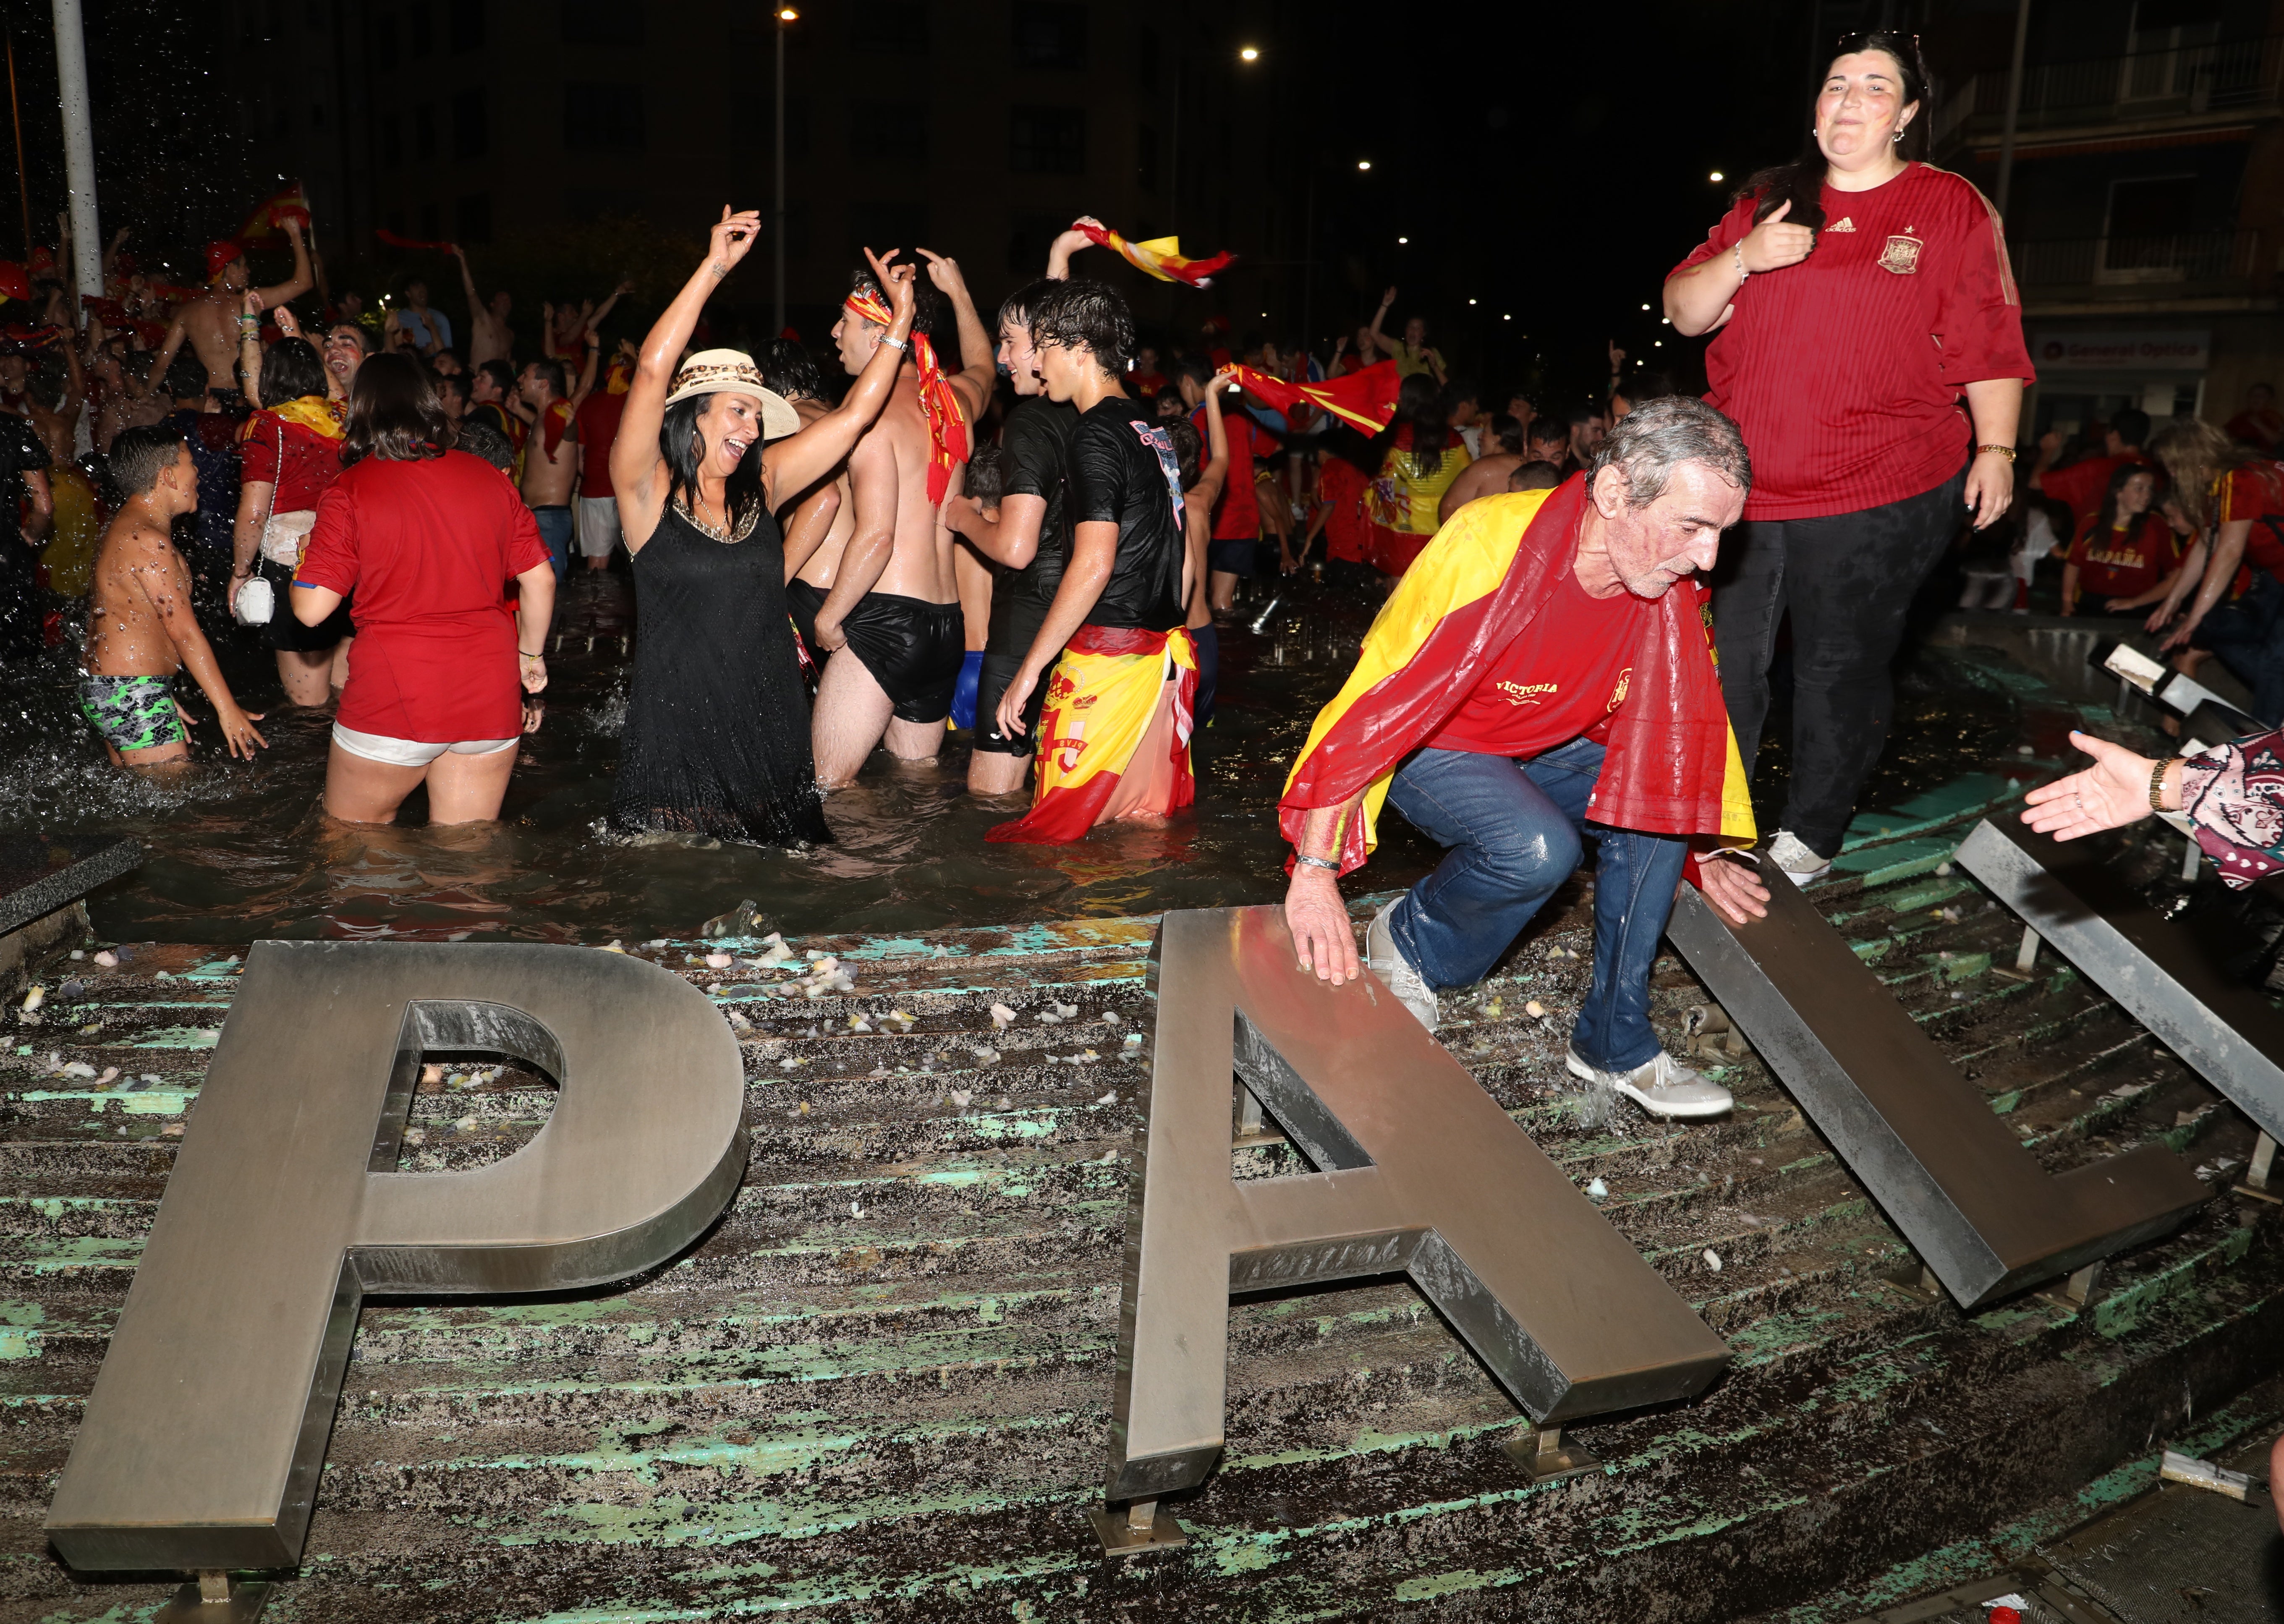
x: 717, y: 738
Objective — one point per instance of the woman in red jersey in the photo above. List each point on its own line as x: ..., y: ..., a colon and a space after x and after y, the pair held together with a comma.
x: 2127, y: 555
x: 1860, y: 294
x: 2235, y: 499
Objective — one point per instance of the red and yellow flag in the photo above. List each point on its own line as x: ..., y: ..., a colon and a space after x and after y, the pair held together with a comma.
x: 271, y: 214
x: 947, y: 423
x: 393, y: 240
x: 1160, y: 256
x: 1101, y: 697
x: 1364, y: 400
x: 1672, y: 766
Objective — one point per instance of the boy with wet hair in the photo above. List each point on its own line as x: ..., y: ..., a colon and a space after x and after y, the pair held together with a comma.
x: 140, y: 627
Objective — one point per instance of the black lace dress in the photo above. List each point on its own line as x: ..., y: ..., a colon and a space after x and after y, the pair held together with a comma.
x: 717, y: 738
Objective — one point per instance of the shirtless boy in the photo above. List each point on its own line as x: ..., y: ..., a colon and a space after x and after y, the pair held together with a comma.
x: 140, y: 629
x: 1487, y: 475
x: 891, y: 624
x: 489, y: 337
x: 208, y: 324
x: 551, y: 457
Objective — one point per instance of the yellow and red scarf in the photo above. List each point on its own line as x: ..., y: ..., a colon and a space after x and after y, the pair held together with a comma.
x: 1160, y: 257
x: 1101, y: 695
x: 313, y: 412
x: 947, y: 423
x: 1365, y: 398
x: 1672, y: 767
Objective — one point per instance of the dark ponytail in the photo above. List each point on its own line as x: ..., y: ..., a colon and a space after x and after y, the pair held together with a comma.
x: 1800, y: 181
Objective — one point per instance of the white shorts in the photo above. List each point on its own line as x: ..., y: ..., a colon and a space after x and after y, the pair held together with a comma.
x: 411, y: 751
x: 598, y: 526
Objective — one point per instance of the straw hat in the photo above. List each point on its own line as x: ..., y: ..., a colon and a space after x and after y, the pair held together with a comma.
x: 711, y: 371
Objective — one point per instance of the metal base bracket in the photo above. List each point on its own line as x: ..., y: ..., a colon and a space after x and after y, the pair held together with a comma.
x: 1127, y: 1530
x: 1547, y: 1456
x: 2076, y: 1291
x: 1914, y: 1279
x: 211, y: 1598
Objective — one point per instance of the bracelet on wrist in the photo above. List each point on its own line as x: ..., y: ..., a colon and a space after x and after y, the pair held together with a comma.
x: 541, y: 655
x: 889, y: 341
x: 2157, y: 786
x: 2005, y: 451
x: 1326, y: 863
x: 1741, y: 272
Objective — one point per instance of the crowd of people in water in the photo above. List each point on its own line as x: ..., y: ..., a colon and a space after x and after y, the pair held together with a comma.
x: 1032, y: 525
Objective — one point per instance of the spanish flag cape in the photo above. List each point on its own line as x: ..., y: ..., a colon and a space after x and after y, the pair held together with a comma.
x: 1365, y: 400
x: 1672, y: 767
x: 1160, y: 257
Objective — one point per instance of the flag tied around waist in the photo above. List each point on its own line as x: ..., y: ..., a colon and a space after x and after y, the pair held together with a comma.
x: 947, y: 423
x: 1160, y: 256
x: 1364, y: 400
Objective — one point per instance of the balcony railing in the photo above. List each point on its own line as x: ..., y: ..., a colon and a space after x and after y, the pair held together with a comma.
x: 2189, y: 79
x: 2130, y: 262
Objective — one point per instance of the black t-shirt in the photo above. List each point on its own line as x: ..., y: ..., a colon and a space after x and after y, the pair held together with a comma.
x: 21, y: 452
x: 1124, y: 472
x: 1037, y: 445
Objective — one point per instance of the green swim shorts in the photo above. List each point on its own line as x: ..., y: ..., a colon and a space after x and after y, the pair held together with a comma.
x: 132, y: 713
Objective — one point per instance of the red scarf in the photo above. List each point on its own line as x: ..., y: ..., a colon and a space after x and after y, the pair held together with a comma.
x: 947, y: 423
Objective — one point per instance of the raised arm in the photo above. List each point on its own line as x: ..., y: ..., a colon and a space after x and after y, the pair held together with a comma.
x: 1215, y: 474
x: 1379, y: 339
x: 176, y: 334
x: 979, y: 370
x: 596, y: 318
x: 1060, y: 252
x: 799, y: 461
x: 301, y: 282
x: 249, y: 346
x: 585, y: 387
x: 478, y: 311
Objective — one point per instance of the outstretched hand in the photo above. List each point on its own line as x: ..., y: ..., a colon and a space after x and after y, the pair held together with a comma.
x: 2109, y: 794
x: 1387, y: 299
x: 732, y: 238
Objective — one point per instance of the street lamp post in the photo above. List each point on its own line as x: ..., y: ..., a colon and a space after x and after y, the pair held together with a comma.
x: 79, y: 148
x: 786, y: 17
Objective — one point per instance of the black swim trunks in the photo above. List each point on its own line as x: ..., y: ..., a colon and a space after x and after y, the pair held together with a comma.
x: 998, y: 671
x: 912, y: 648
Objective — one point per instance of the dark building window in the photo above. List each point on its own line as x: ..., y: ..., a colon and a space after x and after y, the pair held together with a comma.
x: 419, y: 29
x: 317, y: 115
x: 281, y: 123
x: 895, y: 130
x: 394, y: 219
x: 314, y: 16
x: 384, y: 40
x: 1050, y: 35
x: 1146, y: 158
x: 1046, y: 140
x: 432, y: 222
x: 472, y: 217
x: 1145, y: 59
x: 468, y: 27
x: 881, y: 225
x: 894, y: 27
x: 424, y: 132
x: 1030, y: 235
x: 392, y: 140
x: 470, y: 128
x: 601, y: 22
x: 603, y: 118
x: 754, y: 116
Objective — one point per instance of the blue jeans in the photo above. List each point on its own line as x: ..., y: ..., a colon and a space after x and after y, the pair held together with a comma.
x: 1514, y: 830
x: 2249, y: 637
x: 555, y: 529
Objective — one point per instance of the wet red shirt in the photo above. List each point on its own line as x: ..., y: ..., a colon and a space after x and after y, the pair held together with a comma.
x: 431, y: 548
x: 2256, y: 492
x: 301, y: 463
x: 1845, y: 371
x: 2081, y: 485
x: 598, y: 426
x: 1343, y: 487
x: 2128, y: 560
x: 1564, y: 676
x: 1236, y: 514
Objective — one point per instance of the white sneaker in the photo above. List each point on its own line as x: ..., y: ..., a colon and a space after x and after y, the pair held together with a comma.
x: 1801, y: 865
x: 1661, y: 1086
x: 1396, y: 972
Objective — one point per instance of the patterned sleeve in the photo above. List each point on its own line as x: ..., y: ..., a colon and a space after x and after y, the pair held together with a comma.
x: 2234, y: 795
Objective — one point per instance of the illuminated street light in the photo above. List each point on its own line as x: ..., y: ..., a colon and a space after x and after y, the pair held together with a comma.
x: 1363, y: 163
x: 1403, y: 240
x: 1717, y: 176
x: 785, y: 13
x: 1644, y: 306
x: 1250, y: 54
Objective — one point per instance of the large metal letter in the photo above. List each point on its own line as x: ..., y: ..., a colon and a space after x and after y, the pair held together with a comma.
x: 2164, y: 976
x: 1421, y: 1171
x: 1975, y: 1206
x: 202, y: 1441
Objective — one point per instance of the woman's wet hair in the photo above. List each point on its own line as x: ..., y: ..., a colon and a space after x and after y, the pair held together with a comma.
x: 1189, y: 450
x: 139, y: 456
x: 2106, y: 520
x: 393, y: 413
x: 681, y: 443
x: 1080, y: 313
x: 1800, y: 181
x: 789, y: 369
x: 2195, y: 456
x: 1420, y: 407
x: 292, y: 368
x: 1657, y: 437
x: 986, y: 475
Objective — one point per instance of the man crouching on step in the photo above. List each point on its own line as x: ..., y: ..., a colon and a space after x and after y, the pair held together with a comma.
x: 1542, y: 675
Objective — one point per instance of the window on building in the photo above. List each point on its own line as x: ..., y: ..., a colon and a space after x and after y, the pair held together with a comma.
x: 472, y: 217
x: 432, y: 222
x: 898, y: 131
x: 392, y: 140
x: 602, y: 117
x: 1030, y: 235
x: 315, y: 16
x: 1046, y: 140
x: 419, y: 30
x: 281, y: 122
x: 470, y: 126
x: 1146, y: 60
x: 468, y: 24
x: 1050, y: 35
x: 424, y: 132
x: 601, y: 22
x: 317, y: 115
x: 2162, y: 205
x: 384, y: 40
x: 893, y: 27
x: 1145, y: 159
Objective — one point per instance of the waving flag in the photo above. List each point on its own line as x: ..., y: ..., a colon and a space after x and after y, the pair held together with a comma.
x: 1364, y: 400
x: 271, y: 214
x: 393, y: 240
x: 1672, y: 767
x: 1160, y: 256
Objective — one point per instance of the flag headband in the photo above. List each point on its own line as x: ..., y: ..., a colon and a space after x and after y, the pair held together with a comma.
x: 947, y: 423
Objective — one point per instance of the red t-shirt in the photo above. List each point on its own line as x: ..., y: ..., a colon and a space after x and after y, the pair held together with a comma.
x: 2081, y: 485
x: 430, y: 548
x: 2129, y: 560
x: 1145, y: 386
x: 1845, y: 371
x: 1237, y: 515
x: 1343, y: 486
x: 1564, y: 676
x: 301, y: 463
x: 598, y: 426
x: 2256, y: 492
